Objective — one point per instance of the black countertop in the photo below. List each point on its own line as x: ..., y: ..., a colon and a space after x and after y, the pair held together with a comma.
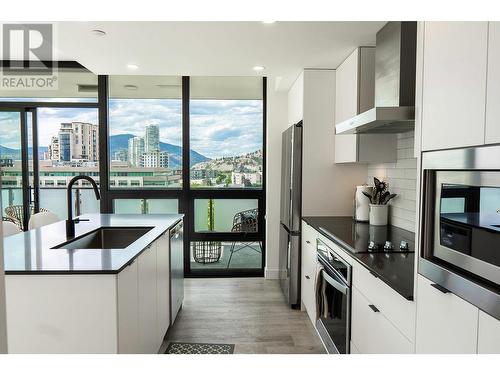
x: 395, y: 269
x: 32, y: 252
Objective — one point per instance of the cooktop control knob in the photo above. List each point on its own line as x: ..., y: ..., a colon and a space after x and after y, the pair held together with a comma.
x: 403, y: 246
x: 388, y: 246
x: 372, y: 246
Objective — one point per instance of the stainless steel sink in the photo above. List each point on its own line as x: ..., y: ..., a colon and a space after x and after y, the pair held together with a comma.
x: 106, y: 238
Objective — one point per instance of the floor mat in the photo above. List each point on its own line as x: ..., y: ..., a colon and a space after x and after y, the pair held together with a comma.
x: 195, y: 348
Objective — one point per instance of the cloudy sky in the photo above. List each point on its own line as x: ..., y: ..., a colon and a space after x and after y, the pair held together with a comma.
x: 218, y: 127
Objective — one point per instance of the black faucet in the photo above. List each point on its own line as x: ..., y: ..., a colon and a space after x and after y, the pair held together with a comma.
x: 70, y: 223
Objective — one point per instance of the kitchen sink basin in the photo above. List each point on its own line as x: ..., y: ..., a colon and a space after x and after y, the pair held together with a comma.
x: 106, y: 238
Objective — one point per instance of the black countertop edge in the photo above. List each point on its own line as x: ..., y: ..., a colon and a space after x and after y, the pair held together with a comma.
x: 356, y: 256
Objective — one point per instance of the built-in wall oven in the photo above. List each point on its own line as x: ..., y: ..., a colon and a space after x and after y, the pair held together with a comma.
x: 461, y: 224
x: 333, y: 300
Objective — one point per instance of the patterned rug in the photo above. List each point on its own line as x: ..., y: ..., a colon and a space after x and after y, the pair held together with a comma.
x: 195, y: 348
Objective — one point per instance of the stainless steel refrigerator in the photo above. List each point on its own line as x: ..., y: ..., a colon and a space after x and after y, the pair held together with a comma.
x: 291, y: 205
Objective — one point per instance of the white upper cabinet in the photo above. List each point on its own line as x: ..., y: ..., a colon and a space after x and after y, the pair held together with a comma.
x: 355, y: 94
x: 493, y: 93
x: 446, y: 324
x: 454, y: 84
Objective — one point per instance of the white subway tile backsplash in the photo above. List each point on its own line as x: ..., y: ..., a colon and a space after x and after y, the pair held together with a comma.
x: 402, y: 179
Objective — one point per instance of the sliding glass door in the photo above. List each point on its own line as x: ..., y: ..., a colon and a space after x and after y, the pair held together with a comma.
x: 17, y: 149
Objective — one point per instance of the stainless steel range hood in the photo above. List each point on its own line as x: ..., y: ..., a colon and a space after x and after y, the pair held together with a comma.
x: 395, y: 59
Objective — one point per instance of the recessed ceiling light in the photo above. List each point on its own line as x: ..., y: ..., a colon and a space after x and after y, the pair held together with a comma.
x: 133, y: 66
x: 130, y: 87
x: 268, y: 22
x: 259, y: 68
x: 98, y: 32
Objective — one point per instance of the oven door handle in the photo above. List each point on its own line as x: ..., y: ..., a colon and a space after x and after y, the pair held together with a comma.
x: 337, y: 284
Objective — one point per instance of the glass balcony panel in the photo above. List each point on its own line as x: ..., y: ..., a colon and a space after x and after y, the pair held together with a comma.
x: 228, y: 215
x: 146, y: 206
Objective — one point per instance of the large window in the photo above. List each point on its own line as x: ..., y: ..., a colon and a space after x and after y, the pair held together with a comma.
x: 155, y: 145
x: 226, y: 135
x: 145, y: 132
x: 226, y: 197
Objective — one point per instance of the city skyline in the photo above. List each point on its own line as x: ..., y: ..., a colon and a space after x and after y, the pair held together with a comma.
x: 218, y: 127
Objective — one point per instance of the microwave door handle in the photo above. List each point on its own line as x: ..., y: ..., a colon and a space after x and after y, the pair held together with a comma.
x: 336, y: 284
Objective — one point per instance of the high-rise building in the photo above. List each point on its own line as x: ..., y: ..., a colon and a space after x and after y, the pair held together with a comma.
x: 135, y: 151
x: 152, y: 138
x: 76, y: 141
x: 53, y: 149
x: 121, y: 155
x: 154, y: 159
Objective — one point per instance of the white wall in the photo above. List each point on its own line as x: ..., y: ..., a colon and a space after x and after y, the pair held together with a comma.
x: 276, y: 124
x: 327, y: 188
x: 402, y: 179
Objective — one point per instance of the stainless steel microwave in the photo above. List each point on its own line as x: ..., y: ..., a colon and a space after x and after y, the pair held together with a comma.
x: 461, y: 223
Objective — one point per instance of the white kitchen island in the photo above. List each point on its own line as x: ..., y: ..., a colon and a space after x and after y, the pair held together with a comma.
x: 93, y: 300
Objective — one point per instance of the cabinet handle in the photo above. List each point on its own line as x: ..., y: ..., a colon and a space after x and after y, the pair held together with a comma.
x: 373, y: 274
x: 442, y: 289
x: 308, y: 241
x: 374, y: 308
x: 307, y: 277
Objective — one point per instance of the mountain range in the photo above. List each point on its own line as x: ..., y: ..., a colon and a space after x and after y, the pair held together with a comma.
x: 120, y: 142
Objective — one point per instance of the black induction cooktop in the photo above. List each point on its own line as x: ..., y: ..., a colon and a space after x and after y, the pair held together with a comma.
x: 365, y: 238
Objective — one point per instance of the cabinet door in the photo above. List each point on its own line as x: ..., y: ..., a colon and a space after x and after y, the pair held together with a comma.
x: 446, y: 324
x: 176, y: 270
x: 489, y: 334
x: 372, y: 332
x: 128, y: 313
x: 308, y: 286
x: 163, y: 285
x: 148, y: 327
x: 454, y: 84
x: 346, y: 107
x: 493, y: 93
x: 346, y: 88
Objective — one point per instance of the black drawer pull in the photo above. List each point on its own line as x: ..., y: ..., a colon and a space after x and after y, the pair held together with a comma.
x: 442, y: 289
x: 307, y: 277
x: 373, y: 274
x: 308, y: 241
x: 374, y: 308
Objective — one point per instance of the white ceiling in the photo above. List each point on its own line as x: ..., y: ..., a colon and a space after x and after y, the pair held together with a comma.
x: 213, y: 48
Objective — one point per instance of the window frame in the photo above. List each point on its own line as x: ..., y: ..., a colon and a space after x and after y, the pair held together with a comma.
x: 185, y: 194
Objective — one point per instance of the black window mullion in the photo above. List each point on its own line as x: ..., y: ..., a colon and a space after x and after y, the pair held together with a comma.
x: 102, y: 98
x: 34, y: 153
x: 25, y: 168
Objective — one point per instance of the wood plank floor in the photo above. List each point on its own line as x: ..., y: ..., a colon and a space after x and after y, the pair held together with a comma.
x: 248, y: 312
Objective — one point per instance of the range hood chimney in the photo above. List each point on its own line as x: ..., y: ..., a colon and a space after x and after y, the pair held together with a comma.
x: 395, y: 68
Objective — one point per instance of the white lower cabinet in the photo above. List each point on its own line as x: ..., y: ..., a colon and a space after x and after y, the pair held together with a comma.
x: 445, y: 322
x: 128, y: 313
x: 147, y: 300
x: 372, y: 332
x: 308, y: 274
x: 162, y: 287
x: 488, y: 340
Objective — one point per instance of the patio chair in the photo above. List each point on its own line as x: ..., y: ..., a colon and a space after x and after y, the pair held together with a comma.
x: 9, y: 227
x: 16, y: 213
x: 246, y: 222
